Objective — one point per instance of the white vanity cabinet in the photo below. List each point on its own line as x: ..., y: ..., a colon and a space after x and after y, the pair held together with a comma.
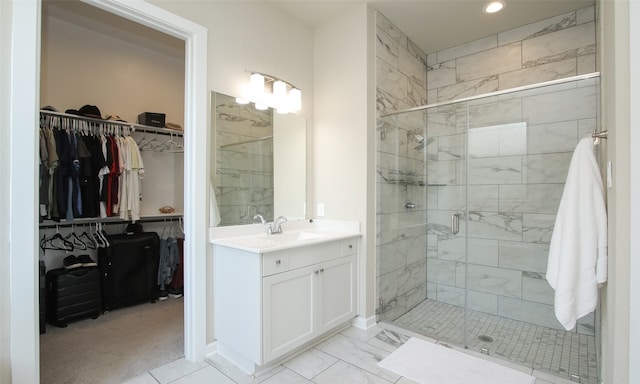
x: 269, y: 304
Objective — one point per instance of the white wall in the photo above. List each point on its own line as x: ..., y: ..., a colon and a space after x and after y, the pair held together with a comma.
x: 5, y: 76
x: 344, y: 131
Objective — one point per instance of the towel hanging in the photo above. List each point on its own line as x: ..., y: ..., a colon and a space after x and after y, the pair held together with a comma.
x: 578, y: 250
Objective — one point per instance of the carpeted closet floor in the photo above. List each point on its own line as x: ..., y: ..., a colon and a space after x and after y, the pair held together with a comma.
x: 114, y: 347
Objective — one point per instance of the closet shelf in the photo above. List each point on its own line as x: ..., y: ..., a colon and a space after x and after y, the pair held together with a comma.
x: 132, y: 126
x: 109, y: 220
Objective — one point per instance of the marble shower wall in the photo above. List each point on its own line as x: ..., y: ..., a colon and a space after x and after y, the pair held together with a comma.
x: 401, y: 174
x: 519, y: 147
x: 516, y: 172
x: 244, y: 171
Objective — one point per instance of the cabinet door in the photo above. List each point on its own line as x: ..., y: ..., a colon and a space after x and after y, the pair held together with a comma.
x: 336, y: 292
x: 288, y: 311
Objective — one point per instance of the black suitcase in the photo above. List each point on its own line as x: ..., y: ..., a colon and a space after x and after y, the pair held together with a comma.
x: 129, y: 268
x: 72, y: 295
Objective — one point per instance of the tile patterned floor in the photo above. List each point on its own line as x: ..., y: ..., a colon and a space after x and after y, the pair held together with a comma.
x: 551, y: 350
x: 348, y: 357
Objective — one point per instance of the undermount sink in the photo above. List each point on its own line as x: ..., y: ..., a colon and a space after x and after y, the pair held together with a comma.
x: 266, y: 243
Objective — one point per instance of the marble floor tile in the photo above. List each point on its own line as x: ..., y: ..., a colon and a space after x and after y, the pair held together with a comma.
x: 175, y: 370
x: 343, y: 373
x: 238, y: 375
x: 361, y: 355
x: 145, y: 378
x: 310, y: 363
x: 206, y: 375
x: 287, y: 376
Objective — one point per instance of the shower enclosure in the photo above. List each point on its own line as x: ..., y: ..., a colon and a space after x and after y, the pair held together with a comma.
x: 467, y: 197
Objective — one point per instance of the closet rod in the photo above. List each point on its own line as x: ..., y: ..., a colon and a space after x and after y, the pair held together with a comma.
x: 132, y: 126
x: 106, y: 221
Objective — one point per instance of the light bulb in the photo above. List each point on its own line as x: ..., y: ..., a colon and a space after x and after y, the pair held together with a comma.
x: 494, y: 6
x: 295, y: 100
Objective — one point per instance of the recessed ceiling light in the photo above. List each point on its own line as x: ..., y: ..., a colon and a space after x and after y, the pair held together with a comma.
x: 494, y: 6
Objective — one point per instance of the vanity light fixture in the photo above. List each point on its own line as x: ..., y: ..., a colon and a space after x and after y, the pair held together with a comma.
x: 269, y: 91
x: 494, y: 6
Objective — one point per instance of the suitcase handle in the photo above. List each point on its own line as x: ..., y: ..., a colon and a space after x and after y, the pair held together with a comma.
x: 78, y: 273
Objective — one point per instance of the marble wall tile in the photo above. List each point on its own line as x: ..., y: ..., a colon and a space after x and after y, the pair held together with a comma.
x: 387, y: 103
x: 586, y: 64
x: 497, y: 281
x: 530, y: 198
x: 441, y: 272
x: 412, y: 67
x: 495, y: 170
x: 417, y: 294
x: 468, y: 88
x: 537, y: 289
x: 560, y: 45
x: 483, y: 198
x: 539, y: 73
x: 499, y: 226
x: 391, y: 80
x: 569, y: 104
x: 432, y: 290
x: 587, y: 126
x: 441, y: 121
x: 416, y: 249
x: 432, y: 95
x: 482, y: 251
x: 451, y: 295
x: 451, y: 147
x: 585, y: 15
x: 452, y: 249
x: 528, y: 311
x: 468, y: 48
x: 439, y: 223
x: 392, y: 198
x: 443, y: 172
x: 432, y: 246
x: 391, y: 257
x: 432, y: 197
x: 546, y: 168
x: 440, y: 75
x: 552, y: 137
x: 384, y: 24
x: 494, y: 111
x: 586, y: 325
x: 498, y: 140
x: 487, y: 63
x: 412, y: 276
x: 386, y: 47
x: 539, y: 28
x: 523, y: 256
x: 483, y: 302
x: 461, y: 271
x: 537, y: 228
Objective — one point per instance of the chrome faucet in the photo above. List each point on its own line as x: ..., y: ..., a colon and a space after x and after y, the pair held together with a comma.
x: 259, y: 216
x: 276, y: 227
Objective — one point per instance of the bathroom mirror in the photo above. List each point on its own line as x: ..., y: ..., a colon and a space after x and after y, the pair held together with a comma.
x: 259, y: 162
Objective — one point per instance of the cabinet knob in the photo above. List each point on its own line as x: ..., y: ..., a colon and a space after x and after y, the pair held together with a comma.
x: 350, y: 246
x: 321, y: 269
x: 316, y: 271
x: 278, y: 262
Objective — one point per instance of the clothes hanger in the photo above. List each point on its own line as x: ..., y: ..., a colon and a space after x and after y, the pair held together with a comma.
x: 73, y: 238
x: 57, y: 242
x: 88, y: 240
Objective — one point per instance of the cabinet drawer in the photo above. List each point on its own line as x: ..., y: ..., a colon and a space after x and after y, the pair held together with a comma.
x: 349, y: 246
x: 273, y: 263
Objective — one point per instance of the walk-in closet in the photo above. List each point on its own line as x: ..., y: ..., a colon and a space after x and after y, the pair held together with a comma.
x: 111, y: 165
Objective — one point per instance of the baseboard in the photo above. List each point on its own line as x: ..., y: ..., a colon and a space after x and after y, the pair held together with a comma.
x: 211, y: 349
x: 363, y: 323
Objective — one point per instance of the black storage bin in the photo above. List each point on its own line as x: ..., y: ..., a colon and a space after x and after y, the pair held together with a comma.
x: 129, y: 268
x: 43, y: 298
x: 73, y: 294
x: 152, y: 119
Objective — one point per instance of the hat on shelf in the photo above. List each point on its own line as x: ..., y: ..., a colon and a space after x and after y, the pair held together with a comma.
x: 90, y: 111
x: 115, y: 118
x: 49, y: 108
x: 174, y: 126
x: 72, y: 112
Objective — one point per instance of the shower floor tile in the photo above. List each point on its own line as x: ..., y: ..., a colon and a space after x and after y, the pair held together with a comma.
x: 551, y: 350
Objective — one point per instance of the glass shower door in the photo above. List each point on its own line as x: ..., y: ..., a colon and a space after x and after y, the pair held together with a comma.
x: 519, y: 148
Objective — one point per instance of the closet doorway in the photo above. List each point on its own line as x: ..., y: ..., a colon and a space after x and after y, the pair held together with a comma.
x: 25, y: 345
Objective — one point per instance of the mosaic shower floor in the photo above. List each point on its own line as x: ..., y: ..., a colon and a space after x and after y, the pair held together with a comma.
x: 551, y: 350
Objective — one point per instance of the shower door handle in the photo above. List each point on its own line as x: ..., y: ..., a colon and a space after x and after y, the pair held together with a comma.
x: 455, y: 223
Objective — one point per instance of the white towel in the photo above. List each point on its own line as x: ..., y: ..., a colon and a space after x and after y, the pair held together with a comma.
x: 578, y: 250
